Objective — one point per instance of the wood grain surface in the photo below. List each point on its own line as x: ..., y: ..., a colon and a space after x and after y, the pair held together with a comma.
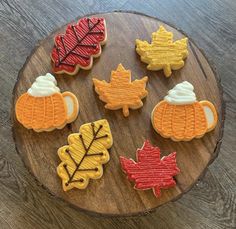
x: 108, y: 195
x: 210, y: 203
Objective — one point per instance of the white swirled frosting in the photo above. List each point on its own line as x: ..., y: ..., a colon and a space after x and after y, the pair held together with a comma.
x: 44, y: 86
x: 181, y: 94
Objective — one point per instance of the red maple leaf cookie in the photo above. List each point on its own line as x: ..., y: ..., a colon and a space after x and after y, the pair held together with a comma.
x: 151, y: 171
x: 76, y: 48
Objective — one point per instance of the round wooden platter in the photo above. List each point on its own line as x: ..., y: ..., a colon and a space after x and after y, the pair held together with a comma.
x: 113, y: 194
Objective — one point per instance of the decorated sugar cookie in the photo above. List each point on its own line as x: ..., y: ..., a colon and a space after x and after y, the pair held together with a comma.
x: 76, y: 48
x: 44, y: 108
x: 150, y: 171
x: 163, y: 53
x: 121, y: 92
x: 181, y: 117
x: 83, y: 158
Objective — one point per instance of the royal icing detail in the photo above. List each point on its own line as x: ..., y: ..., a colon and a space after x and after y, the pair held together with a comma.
x: 76, y: 48
x: 44, y: 108
x: 83, y: 158
x: 181, y: 117
x: 150, y: 171
x: 181, y: 94
x: 162, y: 52
x: 121, y: 93
x: 44, y: 86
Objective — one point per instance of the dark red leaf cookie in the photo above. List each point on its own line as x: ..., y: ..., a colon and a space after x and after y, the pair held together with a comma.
x: 76, y: 48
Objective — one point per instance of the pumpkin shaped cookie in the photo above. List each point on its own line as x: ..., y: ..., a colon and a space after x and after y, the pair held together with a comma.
x: 181, y: 117
x: 44, y: 108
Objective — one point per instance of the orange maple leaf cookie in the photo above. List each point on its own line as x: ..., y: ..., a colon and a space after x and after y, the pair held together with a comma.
x: 121, y: 93
x: 181, y: 117
x: 83, y: 158
x: 163, y: 53
x: 44, y: 108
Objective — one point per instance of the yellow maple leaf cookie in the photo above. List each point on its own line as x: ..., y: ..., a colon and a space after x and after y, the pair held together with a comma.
x: 163, y: 53
x: 181, y: 117
x: 83, y: 158
x: 121, y: 93
x: 44, y: 108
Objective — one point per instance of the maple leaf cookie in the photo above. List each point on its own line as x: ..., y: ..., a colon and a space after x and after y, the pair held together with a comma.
x: 121, y: 93
x: 44, y: 108
x: 163, y: 53
x: 76, y: 48
x: 181, y: 117
x: 150, y: 171
x: 83, y: 158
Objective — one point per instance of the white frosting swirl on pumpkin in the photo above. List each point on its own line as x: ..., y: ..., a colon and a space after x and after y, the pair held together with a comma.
x: 44, y: 86
x: 181, y: 94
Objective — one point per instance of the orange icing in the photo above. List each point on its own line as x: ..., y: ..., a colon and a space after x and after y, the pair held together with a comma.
x: 44, y: 113
x: 121, y: 93
x: 182, y: 122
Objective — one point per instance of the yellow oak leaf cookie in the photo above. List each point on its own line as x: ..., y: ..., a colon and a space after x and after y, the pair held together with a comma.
x: 181, y: 117
x: 121, y: 93
x: 163, y: 53
x: 44, y: 108
x: 82, y: 159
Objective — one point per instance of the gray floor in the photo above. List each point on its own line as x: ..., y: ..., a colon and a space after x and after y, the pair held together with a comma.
x: 210, y: 204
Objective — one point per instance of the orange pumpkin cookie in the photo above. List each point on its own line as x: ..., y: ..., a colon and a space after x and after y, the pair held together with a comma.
x: 181, y: 117
x: 83, y: 158
x: 121, y: 93
x: 44, y: 108
x: 163, y: 53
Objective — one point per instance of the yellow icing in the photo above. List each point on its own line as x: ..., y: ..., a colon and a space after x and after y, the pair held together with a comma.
x: 91, y: 165
x: 163, y: 53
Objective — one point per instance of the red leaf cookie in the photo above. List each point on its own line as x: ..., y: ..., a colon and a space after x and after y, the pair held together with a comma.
x: 76, y: 48
x: 150, y: 171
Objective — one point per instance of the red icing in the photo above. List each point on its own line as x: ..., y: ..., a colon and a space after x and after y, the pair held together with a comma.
x: 150, y: 171
x: 78, y: 44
